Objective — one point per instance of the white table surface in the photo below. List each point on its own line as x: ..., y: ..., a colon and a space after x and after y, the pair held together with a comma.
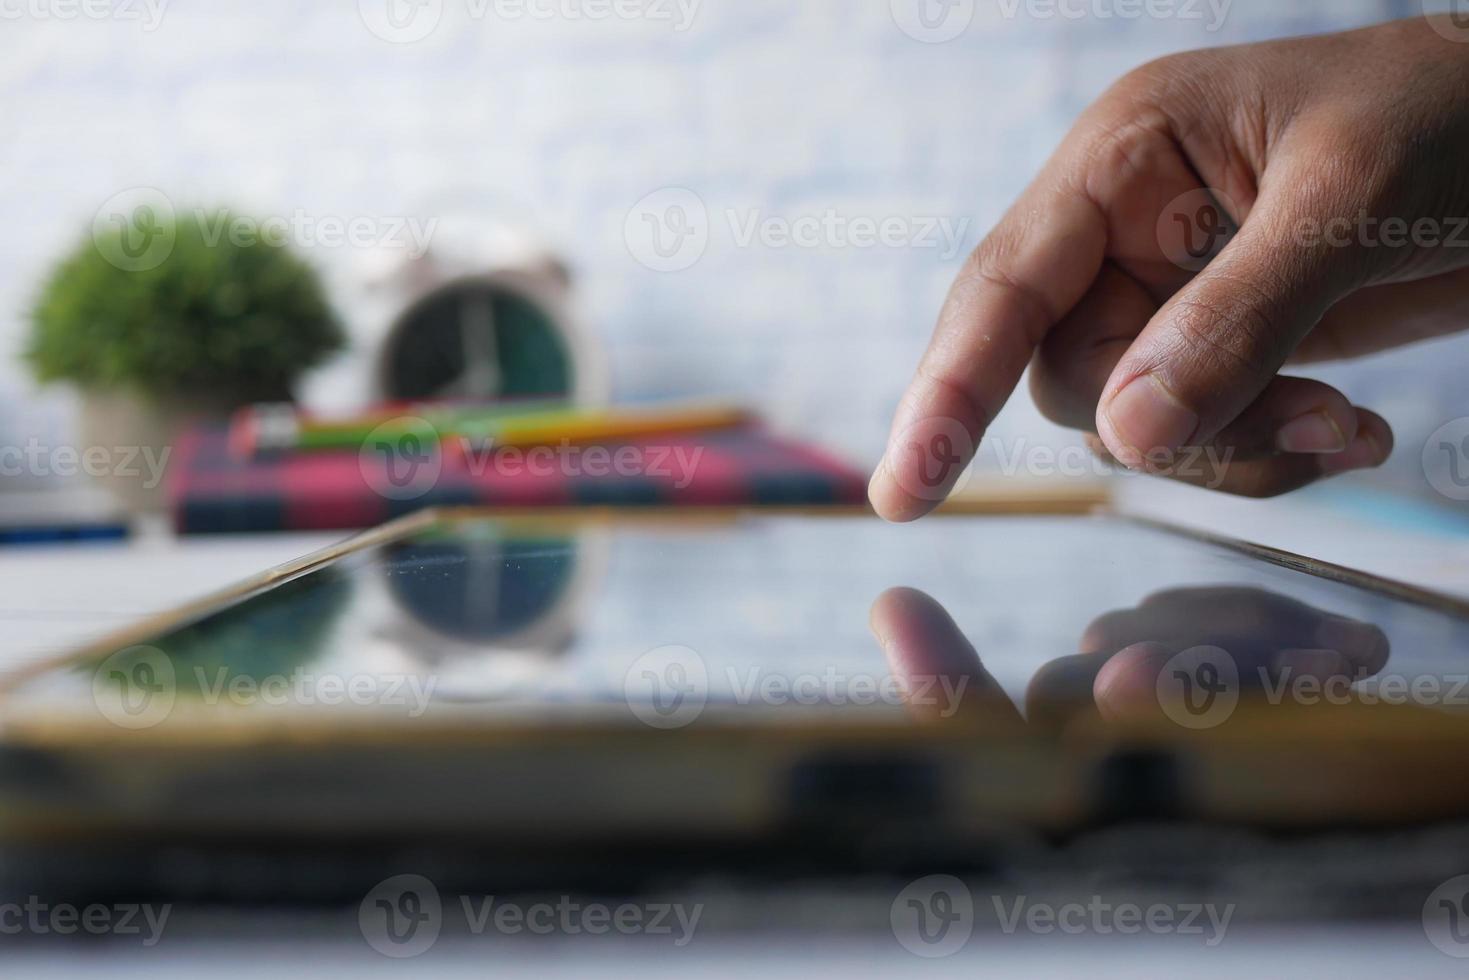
x: 58, y: 596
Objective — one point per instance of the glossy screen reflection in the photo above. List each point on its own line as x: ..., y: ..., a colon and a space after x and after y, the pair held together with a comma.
x: 1029, y: 615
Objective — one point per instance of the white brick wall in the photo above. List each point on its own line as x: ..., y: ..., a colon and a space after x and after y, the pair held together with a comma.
x: 563, y: 123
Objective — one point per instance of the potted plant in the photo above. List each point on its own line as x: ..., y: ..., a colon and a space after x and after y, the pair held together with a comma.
x: 200, y: 323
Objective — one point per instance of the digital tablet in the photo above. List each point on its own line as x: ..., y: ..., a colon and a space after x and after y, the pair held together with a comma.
x: 739, y: 682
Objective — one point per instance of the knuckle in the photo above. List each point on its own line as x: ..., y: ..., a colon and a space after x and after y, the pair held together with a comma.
x: 1160, y: 75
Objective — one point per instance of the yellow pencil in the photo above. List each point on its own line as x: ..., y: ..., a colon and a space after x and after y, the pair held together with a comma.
x: 555, y: 427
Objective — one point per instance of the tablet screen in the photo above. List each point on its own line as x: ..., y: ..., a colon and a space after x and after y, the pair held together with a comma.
x: 665, y: 622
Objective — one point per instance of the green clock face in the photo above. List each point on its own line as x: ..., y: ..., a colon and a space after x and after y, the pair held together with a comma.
x: 477, y: 340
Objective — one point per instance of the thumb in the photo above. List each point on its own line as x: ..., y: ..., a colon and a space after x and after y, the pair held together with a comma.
x: 1215, y: 346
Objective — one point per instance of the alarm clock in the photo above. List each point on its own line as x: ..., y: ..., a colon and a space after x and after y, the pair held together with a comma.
x: 472, y: 325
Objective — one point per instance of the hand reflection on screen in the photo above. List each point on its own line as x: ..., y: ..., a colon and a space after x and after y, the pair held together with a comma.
x: 1265, y: 638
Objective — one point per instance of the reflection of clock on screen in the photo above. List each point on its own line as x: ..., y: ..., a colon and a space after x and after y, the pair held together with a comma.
x: 499, y: 335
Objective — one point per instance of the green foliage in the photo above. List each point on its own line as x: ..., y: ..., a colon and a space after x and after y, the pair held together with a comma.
x: 235, y: 318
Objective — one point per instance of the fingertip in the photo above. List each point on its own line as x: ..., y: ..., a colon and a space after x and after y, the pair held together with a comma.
x: 1376, y: 428
x: 895, y: 607
x: 1372, y: 446
x: 1126, y: 685
x: 891, y: 502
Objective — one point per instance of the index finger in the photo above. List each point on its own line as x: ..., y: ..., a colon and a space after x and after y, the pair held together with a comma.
x: 1025, y: 276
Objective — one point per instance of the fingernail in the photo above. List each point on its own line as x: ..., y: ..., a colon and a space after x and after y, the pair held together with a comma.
x: 1314, y: 433
x: 1364, y: 453
x: 1149, y: 419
